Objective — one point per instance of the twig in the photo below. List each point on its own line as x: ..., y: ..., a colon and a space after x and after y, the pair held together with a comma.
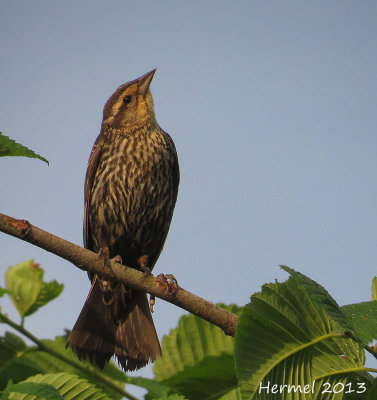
x: 89, y: 261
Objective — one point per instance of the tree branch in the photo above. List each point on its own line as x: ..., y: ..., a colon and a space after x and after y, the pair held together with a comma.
x: 89, y: 261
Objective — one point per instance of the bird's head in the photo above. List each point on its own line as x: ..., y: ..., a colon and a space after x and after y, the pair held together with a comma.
x: 130, y: 104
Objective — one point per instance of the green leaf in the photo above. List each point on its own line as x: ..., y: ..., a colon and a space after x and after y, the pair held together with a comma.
x: 48, y: 292
x: 363, y: 316
x: 234, y: 394
x: 13, y: 363
x: 31, y: 391
x: 156, y: 390
x: 171, y: 397
x: 18, y: 362
x: 374, y: 288
x: 28, y: 291
x: 68, y: 386
x: 320, y: 297
x: 372, y: 392
x: 197, y: 359
x: 291, y: 334
x: 48, y: 363
x: 8, y: 147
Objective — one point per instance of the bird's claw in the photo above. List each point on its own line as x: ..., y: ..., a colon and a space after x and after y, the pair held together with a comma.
x: 117, y: 259
x: 104, y: 252
x: 167, y: 282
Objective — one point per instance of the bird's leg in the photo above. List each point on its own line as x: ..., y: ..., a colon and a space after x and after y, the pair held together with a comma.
x: 107, y: 285
x: 143, y: 264
x: 167, y: 282
x: 104, y: 252
x: 143, y: 261
x: 152, y: 302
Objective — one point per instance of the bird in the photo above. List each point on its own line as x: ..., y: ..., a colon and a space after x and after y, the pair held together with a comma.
x: 131, y: 188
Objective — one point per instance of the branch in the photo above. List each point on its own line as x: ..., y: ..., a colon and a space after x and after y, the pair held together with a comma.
x: 92, y: 262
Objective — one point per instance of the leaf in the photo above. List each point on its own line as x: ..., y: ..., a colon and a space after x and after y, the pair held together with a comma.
x: 28, y: 291
x: 156, y: 390
x: 363, y: 317
x: 197, y: 359
x: 291, y: 334
x: 8, y: 147
x: 13, y: 363
x: 48, y: 363
x: 19, y: 361
x: 372, y: 392
x: 234, y: 394
x: 374, y: 288
x: 48, y: 292
x: 68, y: 386
x: 321, y: 297
x: 171, y: 397
x: 31, y: 390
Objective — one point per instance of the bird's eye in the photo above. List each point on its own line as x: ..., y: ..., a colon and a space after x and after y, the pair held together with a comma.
x: 127, y: 99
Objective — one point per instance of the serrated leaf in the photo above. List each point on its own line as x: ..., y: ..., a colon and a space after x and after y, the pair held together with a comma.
x: 69, y: 386
x: 19, y: 362
x: 363, y: 317
x: 9, y: 147
x: 321, y: 297
x: 374, y: 288
x: 47, y: 363
x: 13, y: 363
x: 197, y: 359
x: 28, y: 291
x: 284, y: 337
x: 31, y: 391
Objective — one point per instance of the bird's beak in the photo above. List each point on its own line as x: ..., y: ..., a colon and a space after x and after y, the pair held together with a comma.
x: 144, y: 81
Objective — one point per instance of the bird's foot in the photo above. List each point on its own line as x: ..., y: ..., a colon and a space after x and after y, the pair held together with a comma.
x: 143, y: 264
x: 104, y: 252
x: 167, y: 282
x: 117, y: 259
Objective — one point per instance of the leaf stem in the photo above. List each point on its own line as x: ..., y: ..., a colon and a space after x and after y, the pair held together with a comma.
x: 96, y: 376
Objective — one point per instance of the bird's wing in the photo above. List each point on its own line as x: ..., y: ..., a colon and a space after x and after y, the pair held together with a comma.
x: 93, y: 162
x: 175, y: 167
x: 176, y: 176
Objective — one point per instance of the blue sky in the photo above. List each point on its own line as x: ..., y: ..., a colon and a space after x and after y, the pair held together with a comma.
x: 272, y: 106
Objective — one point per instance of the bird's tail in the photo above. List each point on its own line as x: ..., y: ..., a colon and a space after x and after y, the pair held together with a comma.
x: 99, y: 334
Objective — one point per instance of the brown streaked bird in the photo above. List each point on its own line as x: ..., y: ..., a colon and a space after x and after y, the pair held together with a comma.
x: 131, y: 187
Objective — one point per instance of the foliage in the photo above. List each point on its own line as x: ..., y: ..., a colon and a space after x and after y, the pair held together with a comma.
x: 27, y: 289
x: 8, y: 147
x: 292, y: 336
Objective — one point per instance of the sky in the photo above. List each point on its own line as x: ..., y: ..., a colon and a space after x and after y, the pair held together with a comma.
x: 271, y: 105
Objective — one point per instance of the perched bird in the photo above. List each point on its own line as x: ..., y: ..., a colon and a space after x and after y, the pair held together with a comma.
x: 131, y: 188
